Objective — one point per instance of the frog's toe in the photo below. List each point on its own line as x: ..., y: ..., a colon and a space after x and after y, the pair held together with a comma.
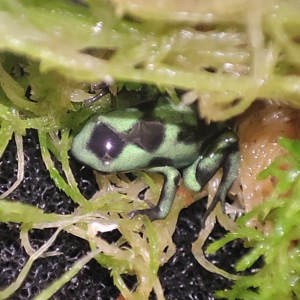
x: 152, y: 213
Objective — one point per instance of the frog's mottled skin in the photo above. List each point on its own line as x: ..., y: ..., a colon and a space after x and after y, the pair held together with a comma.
x: 160, y: 137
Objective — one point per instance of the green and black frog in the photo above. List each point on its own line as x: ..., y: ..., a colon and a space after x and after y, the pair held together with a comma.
x: 161, y: 137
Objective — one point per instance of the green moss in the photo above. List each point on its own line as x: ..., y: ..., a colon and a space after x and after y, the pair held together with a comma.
x: 220, y: 52
x: 279, y: 247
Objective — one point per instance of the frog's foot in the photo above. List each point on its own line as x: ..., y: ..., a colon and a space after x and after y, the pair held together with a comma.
x: 153, y: 213
x: 104, y: 90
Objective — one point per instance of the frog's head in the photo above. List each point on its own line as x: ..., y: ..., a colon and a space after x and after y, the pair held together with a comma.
x: 117, y: 142
x: 98, y: 146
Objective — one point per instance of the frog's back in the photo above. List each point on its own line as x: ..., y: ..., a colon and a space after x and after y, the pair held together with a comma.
x: 151, y: 134
x: 168, y: 134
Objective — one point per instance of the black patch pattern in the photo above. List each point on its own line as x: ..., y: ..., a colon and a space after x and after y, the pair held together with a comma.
x: 160, y: 161
x: 147, y: 135
x: 187, y: 134
x: 147, y: 108
x: 105, y: 143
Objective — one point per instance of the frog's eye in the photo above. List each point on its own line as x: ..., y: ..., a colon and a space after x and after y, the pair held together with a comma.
x: 105, y: 143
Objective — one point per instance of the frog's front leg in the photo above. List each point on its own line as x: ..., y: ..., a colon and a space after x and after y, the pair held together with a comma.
x: 162, y: 209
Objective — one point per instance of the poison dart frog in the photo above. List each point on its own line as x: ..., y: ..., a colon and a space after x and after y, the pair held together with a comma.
x: 161, y: 137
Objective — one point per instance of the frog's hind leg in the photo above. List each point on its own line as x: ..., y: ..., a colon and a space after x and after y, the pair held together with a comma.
x: 223, y: 153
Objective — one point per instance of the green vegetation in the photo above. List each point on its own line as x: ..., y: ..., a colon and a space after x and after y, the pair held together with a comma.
x: 279, y: 245
x: 228, y: 53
